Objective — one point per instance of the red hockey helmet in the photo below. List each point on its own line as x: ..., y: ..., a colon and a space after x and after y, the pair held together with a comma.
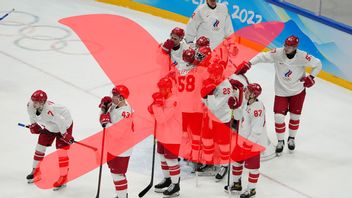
x: 39, y: 96
x: 202, y: 53
x: 255, y: 88
x: 165, y: 83
x: 178, y: 31
x: 215, y: 69
x: 202, y: 42
x: 188, y: 55
x: 121, y: 90
x: 292, y: 41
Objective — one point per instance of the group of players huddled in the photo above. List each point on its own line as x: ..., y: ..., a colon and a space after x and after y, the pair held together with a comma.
x: 204, y: 91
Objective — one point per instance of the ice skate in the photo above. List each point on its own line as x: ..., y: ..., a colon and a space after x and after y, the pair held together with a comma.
x: 248, y: 193
x: 172, y: 191
x: 161, y: 187
x: 60, y: 183
x: 291, y: 144
x: 236, y: 187
x: 280, y: 147
x: 205, y: 170
x: 34, y: 176
x: 221, y: 174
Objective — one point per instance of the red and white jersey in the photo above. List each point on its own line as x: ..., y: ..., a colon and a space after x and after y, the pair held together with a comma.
x: 54, y: 117
x: 213, y: 23
x: 176, y: 55
x: 124, y: 115
x: 218, y: 102
x: 168, y: 118
x: 189, y: 83
x: 175, y: 59
x: 289, y: 71
x: 253, y: 123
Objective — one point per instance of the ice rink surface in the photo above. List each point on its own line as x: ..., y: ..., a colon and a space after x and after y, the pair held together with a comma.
x: 36, y: 52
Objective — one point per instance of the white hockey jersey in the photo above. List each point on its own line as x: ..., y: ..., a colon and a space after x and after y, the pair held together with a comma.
x: 176, y: 55
x: 168, y: 118
x: 124, y: 115
x: 218, y: 102
x: 54, y: 117
x: 253, y: 123
x: 213, y: 23
x: 289, y: 71
x: 175, y: 60
x: 189, y: 83
x: 253, y: 128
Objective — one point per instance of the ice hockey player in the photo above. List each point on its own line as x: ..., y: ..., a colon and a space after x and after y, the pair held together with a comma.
x: 216, y: 91
x: 165, y: 110
x: 113, y: 110
x: 51, y: 121
x: 189, y: 82
x: 252, y: 127
x: 212, y: 20
x: 291, y: 82
x: 174, y: 46
x: 241, y: 80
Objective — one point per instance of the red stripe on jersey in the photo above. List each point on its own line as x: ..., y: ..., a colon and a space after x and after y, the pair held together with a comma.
x: 280, y: 127
x: 38, y: 158
x: 238, y: 168
x: 294, y: 122
x: 254, y: 176
x: 293, y: 125
x: 121, y: 182
x: 122, y: 187
x: 39, y: 153
x: 252, y: 180
x: 174, y: 170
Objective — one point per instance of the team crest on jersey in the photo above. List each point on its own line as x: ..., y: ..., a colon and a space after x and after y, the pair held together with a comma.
x: 216, y: 24
x: 174, y: 63
x: 287, y: 75
x: 50, y: 113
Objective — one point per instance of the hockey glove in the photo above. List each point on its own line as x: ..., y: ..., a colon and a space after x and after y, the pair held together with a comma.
x: 67, y: 138
x: 243, y: 68
x: 158, y: 99
x: 105, y: 103
x: 105, y: 119
x: 150, y: 109
x: 236, y: 84
x: 167, y: 46
x: 308, y: 81
x: 35, y: 128
x: 233, y: 103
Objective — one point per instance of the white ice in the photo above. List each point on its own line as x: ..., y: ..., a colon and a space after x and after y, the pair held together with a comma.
x: 320, y: 167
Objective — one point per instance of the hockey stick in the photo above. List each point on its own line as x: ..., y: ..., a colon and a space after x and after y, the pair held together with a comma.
x: 205, y: 114
x: 240, y: 100
x: 101, y: 163
x: 85, y: 145
x: 150, y: 185
x: 229, y: 171
x: 7, y: 14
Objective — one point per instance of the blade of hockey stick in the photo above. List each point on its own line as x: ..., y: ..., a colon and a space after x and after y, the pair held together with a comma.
x: 150, y: 185
x: 7, y: 14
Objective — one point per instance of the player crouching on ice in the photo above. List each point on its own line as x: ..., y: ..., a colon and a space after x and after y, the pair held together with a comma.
x: 165, y: 110
x: 57, y: 124
x: 116, y: 109
x: 252, y: 127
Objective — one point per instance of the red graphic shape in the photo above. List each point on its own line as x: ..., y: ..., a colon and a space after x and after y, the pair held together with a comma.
x: 131, y: 56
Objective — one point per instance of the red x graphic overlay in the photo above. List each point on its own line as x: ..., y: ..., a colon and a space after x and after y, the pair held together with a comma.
x: 132, y: 57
